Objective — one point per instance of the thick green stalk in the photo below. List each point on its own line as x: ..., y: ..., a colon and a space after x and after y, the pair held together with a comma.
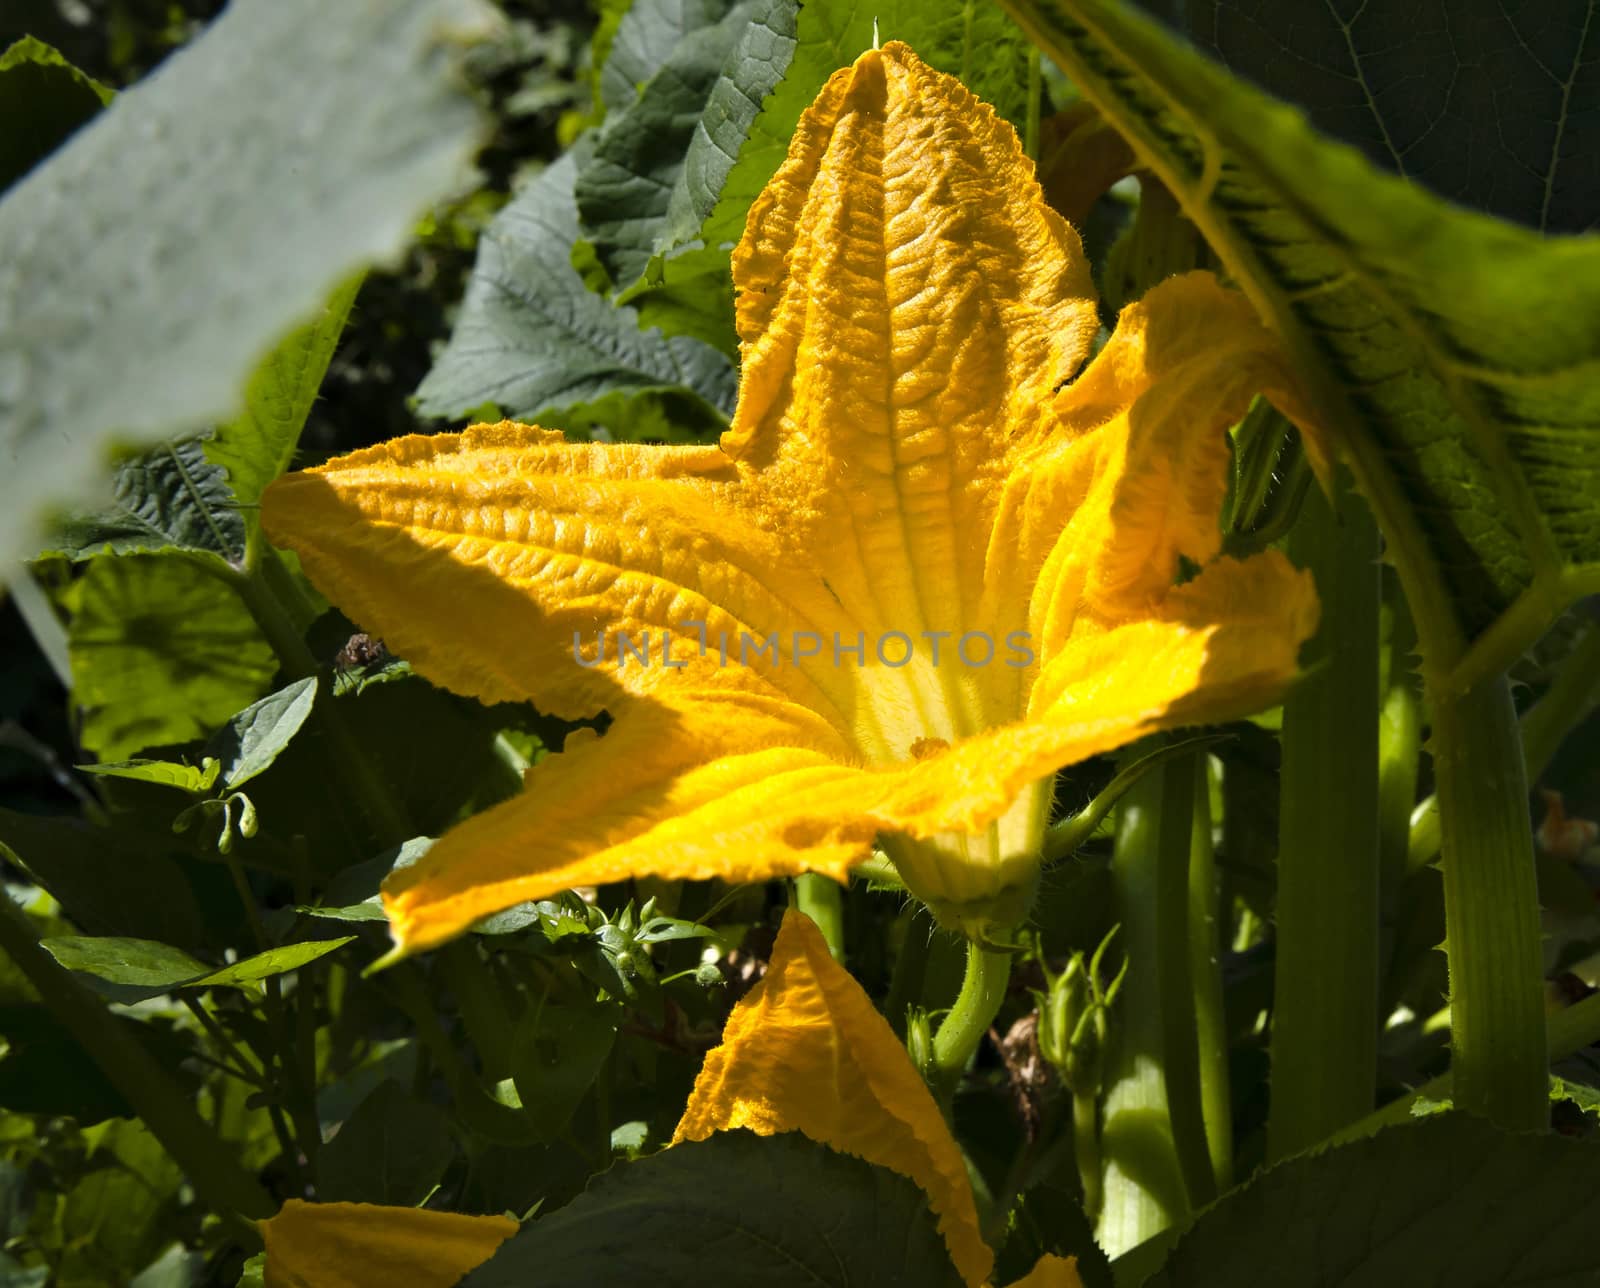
x: 1180, y: 986
x: 1325, y: 1021
x: 1491, y: 904
x: 983, y: 989
x: 1205, y: 955
x: 168, y: 1112
x: 1144, y: 1191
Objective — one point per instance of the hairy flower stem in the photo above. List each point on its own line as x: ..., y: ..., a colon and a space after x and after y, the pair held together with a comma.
x: 206, y: 1160
x: 1491, y: 904
x: 983, y: 989
x: 1325, y: 1020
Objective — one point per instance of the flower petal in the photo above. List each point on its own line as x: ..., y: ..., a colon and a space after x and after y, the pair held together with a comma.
x: 806, y: 1051
x: 481, y: 557
x: 1182, y: 366
x: 907, y: 304
x: 1052, y: 1272
x: 740, y: 787
x: 363, y: 1245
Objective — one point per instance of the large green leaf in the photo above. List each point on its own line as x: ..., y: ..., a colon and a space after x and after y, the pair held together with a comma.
x: 1489, y: 104
x: 1455, y: 356
x: 637, y: 171
x: 1448, y: 1200
x: 43, y: 99
x: 777, y: 1211
x: 162, y: 652
x: 153, y: 259
x: 172, y: 497
x: 535, y: 342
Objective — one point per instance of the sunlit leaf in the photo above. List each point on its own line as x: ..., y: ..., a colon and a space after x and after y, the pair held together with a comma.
x: 162, y: 652
x: 252, y: 740
x: 533, y: 340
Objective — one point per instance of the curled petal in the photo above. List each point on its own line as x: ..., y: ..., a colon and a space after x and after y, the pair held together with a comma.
x: 806, y: 1051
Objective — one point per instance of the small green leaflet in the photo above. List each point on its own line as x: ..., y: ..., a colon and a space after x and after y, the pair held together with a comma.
x: 251, y: 740
x: 143, y: 968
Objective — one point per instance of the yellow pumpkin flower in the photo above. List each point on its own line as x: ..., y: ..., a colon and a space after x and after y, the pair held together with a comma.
x: 924, y: 568
x: 805, y: 1051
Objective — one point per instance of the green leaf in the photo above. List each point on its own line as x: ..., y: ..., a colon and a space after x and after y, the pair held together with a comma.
x: 642, y: 43
x: 162, y: 652
x: 275, y: 961
x: 1584, y: 1097
x: 106, y: 880
x: 1433, y: 100
x: 172, y: 497
x: 556, y: 1054
x: 637, y: 169
x: 252, y: 740
x: 142, y: 968
x: 43, y: 99
x: 288, y: 145
x: 532, y: 339
x: 778, y: 1211
x: 392, y: 1149
x: 353, y: 894
x: 1447, y: 1200
x: 1455, y: 355
x: 186, y: 778
x: 112, y: 1221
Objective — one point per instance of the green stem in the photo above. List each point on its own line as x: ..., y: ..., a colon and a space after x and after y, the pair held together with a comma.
x: 1325, y: 1008
x: 983, y: 989
x: 1144, y: 1189
x: 1205, y: 951
x: 1086, y: 1149
x: 168, y: 1112
x: 823, y: 901
x: 1180, y: 1019
x: 1491, y: 903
